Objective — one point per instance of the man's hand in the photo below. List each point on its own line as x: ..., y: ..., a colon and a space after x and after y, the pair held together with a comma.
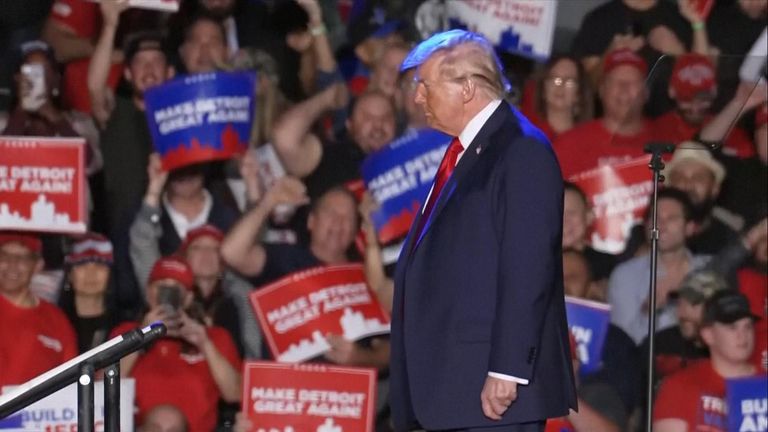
x: 111, y: 10
x: 342, y: 351
x: 157, y: 178
x: 287, y: 190
x: 497, y: 396
x: 192, y: 331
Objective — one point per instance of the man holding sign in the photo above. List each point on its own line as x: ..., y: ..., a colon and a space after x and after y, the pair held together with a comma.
x: 479, y: 336
x: 694, y: 398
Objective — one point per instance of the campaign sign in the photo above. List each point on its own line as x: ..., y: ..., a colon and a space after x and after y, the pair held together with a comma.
x: 161, y: 5
x: 200, y: 118
x: 399, y: 177
x: 618, y: 195
x: 524, y: 27
x: 747, y: 400
x: 308, y: 397
x: 297, y: 311
x: 58, y: 412
x: 42, y: 184
x: 588, y: 321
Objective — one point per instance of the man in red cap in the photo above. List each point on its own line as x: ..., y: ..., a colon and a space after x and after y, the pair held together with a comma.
x: 199, y: 358
x: 622, y: 130
x: 35, y: 336
x: 693, y: 87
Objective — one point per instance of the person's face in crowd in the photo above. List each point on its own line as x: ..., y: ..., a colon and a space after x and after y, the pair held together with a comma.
x: 164, y: 419
x: 186, y: 186
x: 673, y: 228
x: 576, y: 220
x: 441, y: 99
x: 386, y: 71
x: 50, y: 76
x: 219, y: 9
x: 561, y: 86
x: 204, y: 49
x: 405, y: 100
x: 333, y: 223
x: 696, y: 110
x: 761, y: 143
x: 203, y: 257
x: 689, y: 316
x: 732, y: 342
x: 147, y: 69
x: 17, y: 266
x: 696, y: 180
x: 576, y: 277
x: 372, y: 123
x: 89, y: 279
x: 623, y: 93
x: 754, y: 8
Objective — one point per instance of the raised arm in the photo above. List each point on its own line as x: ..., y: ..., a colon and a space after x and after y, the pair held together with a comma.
x: 241, y: 248
x: 102, y: 101
x: 700, y: 43
x: 299, y: 149
x: 747, y: 97
x: 145, y: 232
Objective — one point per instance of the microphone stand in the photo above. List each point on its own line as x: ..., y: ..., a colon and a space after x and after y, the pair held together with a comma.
x: 81, y: 369
x: 656, y: 165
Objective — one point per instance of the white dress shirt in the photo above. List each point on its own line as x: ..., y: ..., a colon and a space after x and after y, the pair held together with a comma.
x: 181, y: 223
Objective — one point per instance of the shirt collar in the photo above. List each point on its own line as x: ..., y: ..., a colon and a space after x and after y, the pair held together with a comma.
x: 181, y: 223
x: 473, y: 127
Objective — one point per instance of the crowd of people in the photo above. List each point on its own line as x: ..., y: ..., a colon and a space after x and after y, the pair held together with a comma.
x: 330, y: 92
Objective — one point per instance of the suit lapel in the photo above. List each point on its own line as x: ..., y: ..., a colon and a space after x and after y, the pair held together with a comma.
x: 468, y: 160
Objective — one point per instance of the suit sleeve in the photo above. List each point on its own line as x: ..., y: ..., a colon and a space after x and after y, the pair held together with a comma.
x: 528, y: 211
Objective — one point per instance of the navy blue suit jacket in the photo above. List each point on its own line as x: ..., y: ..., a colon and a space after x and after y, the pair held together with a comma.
x: 482, y: 289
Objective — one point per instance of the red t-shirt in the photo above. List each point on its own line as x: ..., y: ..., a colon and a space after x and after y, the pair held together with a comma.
x: 754, y: 285
x: 32, y: 341
x: 590, y: 145
x: 83, y: 17
x: 671, y: 127
x: 166, y: 375
x: 695, y: 395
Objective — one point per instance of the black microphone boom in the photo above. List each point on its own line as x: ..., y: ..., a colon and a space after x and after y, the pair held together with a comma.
x: 106, y: 354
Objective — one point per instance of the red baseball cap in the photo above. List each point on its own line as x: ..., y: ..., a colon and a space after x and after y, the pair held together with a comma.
x: 29, y: 241
x: 692, y: 75
x: 173, y: 267
x: 91, y: 247
x: 621, y: 57
x: 206, y: 230
x: 761, y: 116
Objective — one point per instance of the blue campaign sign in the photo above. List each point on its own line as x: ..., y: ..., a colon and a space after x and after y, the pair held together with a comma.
x: 747, y: 400
x: 588, y: 321
x: 198, y: 118
x: 399, y: 177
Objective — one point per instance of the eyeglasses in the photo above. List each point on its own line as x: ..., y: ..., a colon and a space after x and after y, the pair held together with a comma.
x: 566, y: 82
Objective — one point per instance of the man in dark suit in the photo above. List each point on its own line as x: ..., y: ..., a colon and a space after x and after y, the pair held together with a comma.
x: 479, y: 336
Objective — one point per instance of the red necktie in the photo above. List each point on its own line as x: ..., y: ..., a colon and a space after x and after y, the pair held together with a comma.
x: 443, y: 174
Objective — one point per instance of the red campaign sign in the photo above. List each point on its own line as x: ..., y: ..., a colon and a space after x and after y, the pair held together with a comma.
x: 297, y: 311
x: 279, y: 397
x: 42, y: 184
x: 618, y: 195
